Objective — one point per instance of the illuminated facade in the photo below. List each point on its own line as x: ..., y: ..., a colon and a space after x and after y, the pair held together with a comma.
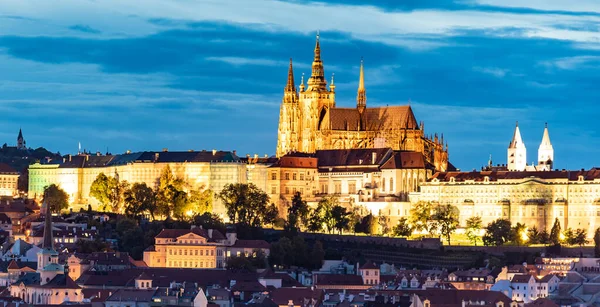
x: 75, y: 174
x: 198, y: 248
x: 532, y: 198
x: 309, y: 121
x: 8, y: 180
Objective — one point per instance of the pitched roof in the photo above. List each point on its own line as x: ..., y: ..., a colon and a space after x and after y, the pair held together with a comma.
x: 13, y: 265
x: 353, y: 157
x: 252, y: 244
x: 588, y: 175
x: 405, y: 160
x: 5, y: 219
x: 7, y: 169
x: 438, y: 297
x: 521, y: 278
x: 136, y: 295
x: 369, y: 265
x: 282, y: 296
x: 175, y: 233
x: 542, y: 302
x: 337, y: 279
x: 372, y: 119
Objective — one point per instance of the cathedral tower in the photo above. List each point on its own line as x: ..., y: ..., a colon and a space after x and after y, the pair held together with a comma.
x: 361, y: 96
x: 48, y: 266
x: 545, y: 152
x: 288, y: 116
x: 517, y: 153
x: 21, y: 141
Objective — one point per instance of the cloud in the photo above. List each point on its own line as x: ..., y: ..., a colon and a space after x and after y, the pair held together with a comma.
x: 419, y: 29
x: 493, y: 71
x: 575, y: 62
x: 84, y: 28
x: 582, y: 6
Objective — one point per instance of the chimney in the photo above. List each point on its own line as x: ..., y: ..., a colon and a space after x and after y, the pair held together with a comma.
x: 235, y: 152
x: 210, y: 233
x: 374, y: 157
x: 214, y: 152
x: 69, y: 158
x: 165, y: 150
x: 156, y: 155
x: 128, y: 151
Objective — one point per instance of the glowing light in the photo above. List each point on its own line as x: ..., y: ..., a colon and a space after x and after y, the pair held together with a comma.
x: 189, y: 213
x: 561, y: 236
x: 524, y: 236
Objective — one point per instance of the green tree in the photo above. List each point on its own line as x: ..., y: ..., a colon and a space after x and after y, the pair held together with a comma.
x: 297, y: 214
x: 56, y: 198
x: 140, y: 198
x: 544, y: 237
x: 256, y: 260
x: 534, y: 235
x: 201, y: 200
x: 474, y: 225
x: 446, y: 220
x: 341, y: 216
x: 420, y: 217
x: 210, y: 221
x: 91, y: 246
x: 330, y: 219
x: 518, y: 234
x: 384, y: 224
x: 271, y: 215
x: 100, y: 190
x: 569, y: 237
x: 580, y: 237
x: 245, y: 203
x: 317, y: 255
x: 497, y: 232
x: 597, y: 243
x: 171, y: 199
x: 109, y: 191
x: 316, y: 218
x: 402, y: 229
x: 555, y: 233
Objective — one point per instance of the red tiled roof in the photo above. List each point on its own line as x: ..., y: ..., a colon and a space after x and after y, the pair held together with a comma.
x: 521, y: 278
x: 13, y: 266
x: 7, y: 169
x: 175, y: 233
x: 337, y: 279
x: 282, y: 296
x: 137, y: 295
x: 542, y: 302
x: 369, y: 265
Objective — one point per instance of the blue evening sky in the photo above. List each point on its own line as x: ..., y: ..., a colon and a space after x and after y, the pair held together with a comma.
x: 182, y: 74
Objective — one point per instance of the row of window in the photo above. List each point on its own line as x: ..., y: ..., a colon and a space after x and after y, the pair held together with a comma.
x: 194, y: 252
x: 191, y: 264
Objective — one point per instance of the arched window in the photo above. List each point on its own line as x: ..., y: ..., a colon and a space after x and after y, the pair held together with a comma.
x: 391, y: 184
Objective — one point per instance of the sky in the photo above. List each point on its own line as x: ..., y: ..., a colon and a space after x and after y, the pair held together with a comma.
x: 182, y: 74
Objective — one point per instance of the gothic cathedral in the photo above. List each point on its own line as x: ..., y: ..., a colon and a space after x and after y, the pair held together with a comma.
x: 310, y: 121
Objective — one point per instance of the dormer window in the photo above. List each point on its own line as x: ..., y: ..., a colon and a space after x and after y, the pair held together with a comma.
x: 580, y: 178
x: 452, y: 180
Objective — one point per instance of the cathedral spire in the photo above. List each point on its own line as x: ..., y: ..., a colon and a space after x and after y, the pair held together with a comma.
x: 48, y: 241
x: 317, y: 81
x: 361, y: 96
x: 290, y: 86
x: 302, y: 83
x: 545, y: 152
x: 517, y: 153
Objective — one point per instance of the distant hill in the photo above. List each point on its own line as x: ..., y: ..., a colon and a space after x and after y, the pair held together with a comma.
x: 20, y: 160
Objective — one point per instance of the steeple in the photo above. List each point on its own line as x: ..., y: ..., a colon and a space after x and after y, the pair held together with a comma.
x: 290, y: 87
x: 361, y: 96
x: 317, y: 81
x: 302, y: 83
x: 545, y: 152
x: 517, y: 153
x: 21, y: 141
x: 331, y: 85
x: 48, y: 242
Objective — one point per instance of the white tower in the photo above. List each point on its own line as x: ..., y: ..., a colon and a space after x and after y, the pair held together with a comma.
x: 545, y: 152
x: 517, y: 153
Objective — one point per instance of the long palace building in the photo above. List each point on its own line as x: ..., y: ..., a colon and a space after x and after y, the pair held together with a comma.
x: 309, y: 120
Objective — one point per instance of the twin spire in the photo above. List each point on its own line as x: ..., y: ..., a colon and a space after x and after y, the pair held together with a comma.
x: 317, y: 81
x: 517, y: 153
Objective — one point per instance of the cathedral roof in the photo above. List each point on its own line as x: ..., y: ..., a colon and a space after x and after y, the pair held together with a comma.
x: 353, y: 157
x: 373, y: 119
x: 405, y: 159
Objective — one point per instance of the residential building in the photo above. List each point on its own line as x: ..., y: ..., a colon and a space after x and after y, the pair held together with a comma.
x: 9, y: 179
x: 198, y: 248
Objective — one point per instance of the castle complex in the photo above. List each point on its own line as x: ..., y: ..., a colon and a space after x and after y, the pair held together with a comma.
x: 309, y: 121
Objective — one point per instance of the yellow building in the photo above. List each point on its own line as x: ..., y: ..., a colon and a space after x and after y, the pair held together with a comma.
x: 309, y: 121
x: 75, y: 174
x: 198, y: 248
x: 8, y: 180
x: 534, y: 198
